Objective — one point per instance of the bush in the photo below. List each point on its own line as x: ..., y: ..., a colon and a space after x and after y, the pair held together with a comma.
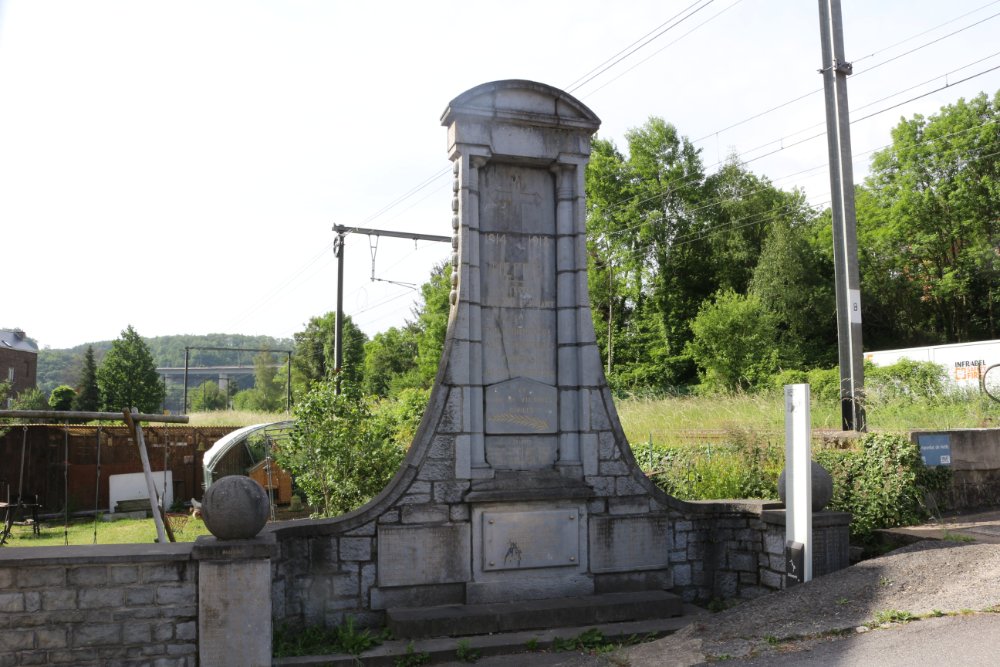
x: 883, y: 483
x: 824, y: 384
x: 904, y: 380
x: 339, y: 453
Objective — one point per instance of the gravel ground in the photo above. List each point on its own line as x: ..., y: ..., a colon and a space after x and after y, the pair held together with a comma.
x: 920, y: 578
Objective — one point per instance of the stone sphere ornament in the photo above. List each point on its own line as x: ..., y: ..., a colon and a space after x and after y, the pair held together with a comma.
x: 235, y: 508
x: 822, y: 487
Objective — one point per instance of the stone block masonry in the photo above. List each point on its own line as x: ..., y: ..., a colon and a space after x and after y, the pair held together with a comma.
x: 101, y: 605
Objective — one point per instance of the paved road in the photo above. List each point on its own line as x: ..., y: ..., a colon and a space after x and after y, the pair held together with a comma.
x: 951, y: 640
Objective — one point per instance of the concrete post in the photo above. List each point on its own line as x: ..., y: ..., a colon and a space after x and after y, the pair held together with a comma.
x: 798, y: 483
x: 234, y: 600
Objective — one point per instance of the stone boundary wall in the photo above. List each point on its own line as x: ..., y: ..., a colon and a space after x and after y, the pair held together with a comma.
x: 100, y: 605
x: 327, y: 570
x: 138, y: 604
x: 975, y: 467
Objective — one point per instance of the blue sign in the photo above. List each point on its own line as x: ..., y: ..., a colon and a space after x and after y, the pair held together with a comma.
x: 935, y: 448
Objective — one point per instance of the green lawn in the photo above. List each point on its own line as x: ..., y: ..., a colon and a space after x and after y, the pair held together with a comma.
x: 124, y: 531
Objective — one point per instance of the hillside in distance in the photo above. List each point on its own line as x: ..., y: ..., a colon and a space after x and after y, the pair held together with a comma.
x: 62, y: 366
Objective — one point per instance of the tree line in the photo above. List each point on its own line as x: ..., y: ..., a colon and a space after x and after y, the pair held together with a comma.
x: 721, y: 281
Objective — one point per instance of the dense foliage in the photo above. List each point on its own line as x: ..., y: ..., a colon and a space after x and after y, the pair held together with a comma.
x: 677, y: 257
x: 929, y: 229
x: 88, y: 395
x: 882, y: 482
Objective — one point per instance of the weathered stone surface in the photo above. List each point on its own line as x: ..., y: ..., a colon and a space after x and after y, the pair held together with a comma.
x: 234, y: 618
x: 235, y: 508
x: 521, y: 406
x: 413, y: 555
x: 519, y: 342
x: 822, y: 486
x: 521, y: 452
x: 521, y: 540
x: 621, y: 543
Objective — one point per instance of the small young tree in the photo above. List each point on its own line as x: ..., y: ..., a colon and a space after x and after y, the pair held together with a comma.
x: 88, y: 396
x: 339, y: 454
x: 62, y: 397
x: 127, y: 377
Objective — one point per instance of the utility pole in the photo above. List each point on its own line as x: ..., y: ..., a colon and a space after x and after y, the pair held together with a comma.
x: 338, y: 252
x: 338, y: 341
x: 845, y: 239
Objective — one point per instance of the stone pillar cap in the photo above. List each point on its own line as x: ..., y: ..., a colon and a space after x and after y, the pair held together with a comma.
x: 522, y: 102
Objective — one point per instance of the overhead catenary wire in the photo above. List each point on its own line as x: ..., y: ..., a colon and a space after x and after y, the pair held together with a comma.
x: 661, y: 49
x: 638, y: 44
x: 804, y: 96
x: 747, y: 160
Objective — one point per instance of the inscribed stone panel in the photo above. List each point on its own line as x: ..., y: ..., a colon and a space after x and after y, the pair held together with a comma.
x: 519, y: 342
x: 522, y: 540
x: 521, y: 406
x: 621, y: 543
x: 521, y: 452
x: 410, y: 556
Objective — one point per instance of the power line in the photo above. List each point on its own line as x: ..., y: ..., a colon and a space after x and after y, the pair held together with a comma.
x: 803, y: 96
x: 663, y: 48
x: 921, y: 34
x: 784, y: 146
x: 629, y: 50
x: 925, y: 45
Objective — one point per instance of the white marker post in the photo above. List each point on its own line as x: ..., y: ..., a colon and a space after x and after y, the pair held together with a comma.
x: 798, y: 484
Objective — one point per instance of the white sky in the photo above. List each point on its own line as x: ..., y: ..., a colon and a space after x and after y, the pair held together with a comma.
x: 178, y: 165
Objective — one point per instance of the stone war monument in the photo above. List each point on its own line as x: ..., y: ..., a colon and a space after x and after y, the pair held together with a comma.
x: 523, y: 486
x: 519, y: 485
x: 519, y: 505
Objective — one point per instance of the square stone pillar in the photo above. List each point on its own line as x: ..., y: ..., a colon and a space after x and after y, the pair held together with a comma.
x: 234, y: 600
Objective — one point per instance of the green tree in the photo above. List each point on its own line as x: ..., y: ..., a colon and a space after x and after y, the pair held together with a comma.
x: 62, y: 397
x: 391, y: 361
x: 929, y: 229
x: 734, y: 342
x: 648, y: 271
x: 127, y: 376
x: 268, y: 393
x: 208, y: 396
x: 432, y: 321
x: 337, y: 452
x: 794, y: 281
x: 88, y: 396
x: 315, y: 353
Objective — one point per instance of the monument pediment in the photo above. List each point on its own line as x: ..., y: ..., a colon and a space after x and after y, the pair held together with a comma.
x: 518, y: 100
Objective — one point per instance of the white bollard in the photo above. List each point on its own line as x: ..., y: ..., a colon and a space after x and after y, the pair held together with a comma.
x: 798, y: 484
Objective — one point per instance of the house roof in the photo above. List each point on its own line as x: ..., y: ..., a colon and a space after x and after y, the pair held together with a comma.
x: 15, y: 339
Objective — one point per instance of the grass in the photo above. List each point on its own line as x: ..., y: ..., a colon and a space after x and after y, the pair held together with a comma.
x: 291, y: 641
x: 235, y: 418
x: 680, y: 420
x: 124, y: 531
